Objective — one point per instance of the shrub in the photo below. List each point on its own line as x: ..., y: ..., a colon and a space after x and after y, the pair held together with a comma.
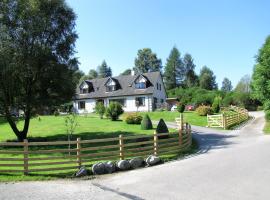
x: 56, y: 113
x: 114, y: 111
x: 204, y: 110
x: 180, y: 107
x: 216, y: 104
x: 266, y: 105
x: 146, y: 123
x: 133, y: 118
x: 162, y: 127
x: 267, y: 115
x: 100, y: 109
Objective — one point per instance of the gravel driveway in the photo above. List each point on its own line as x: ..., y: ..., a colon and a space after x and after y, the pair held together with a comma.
x: 229, y: 165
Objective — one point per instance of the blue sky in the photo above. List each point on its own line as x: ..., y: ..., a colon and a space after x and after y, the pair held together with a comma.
x: 224, y: 35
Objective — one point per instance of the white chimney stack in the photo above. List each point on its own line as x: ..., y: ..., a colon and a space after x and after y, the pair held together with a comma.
x: 132, y: 72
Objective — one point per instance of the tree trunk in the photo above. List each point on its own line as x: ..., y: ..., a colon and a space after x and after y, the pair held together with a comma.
x: 21, y: 135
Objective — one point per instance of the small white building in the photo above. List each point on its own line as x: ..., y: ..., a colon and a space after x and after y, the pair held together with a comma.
x: 141, y: 92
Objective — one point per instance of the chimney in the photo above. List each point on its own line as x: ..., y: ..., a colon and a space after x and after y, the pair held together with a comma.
x: 132, y: 72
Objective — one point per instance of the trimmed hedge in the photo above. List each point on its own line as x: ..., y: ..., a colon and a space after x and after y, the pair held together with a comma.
x: 204, y: 110
x: 162, y: 127
x: 133, y: 118
x: 146, y: 123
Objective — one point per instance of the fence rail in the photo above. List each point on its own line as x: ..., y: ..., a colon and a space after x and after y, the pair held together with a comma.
x: 231, y: 116
x: 27, y: 157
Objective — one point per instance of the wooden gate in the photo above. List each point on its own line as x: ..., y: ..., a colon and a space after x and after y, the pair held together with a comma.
x: 215, y: 121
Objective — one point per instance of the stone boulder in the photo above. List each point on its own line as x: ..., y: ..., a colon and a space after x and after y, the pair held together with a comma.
x: 109, y: 167
x: 98, y: 168
x: 81, y: 172
x: 136, y: 163
x: 123, y: 165
x: 152, y: 160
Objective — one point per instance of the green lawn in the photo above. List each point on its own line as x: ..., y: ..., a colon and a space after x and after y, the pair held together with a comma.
x: 51, y: 128
x: 267, y: 127
x: 191, y: 117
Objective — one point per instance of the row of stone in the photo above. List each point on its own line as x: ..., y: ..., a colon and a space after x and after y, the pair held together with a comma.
x: 122, y: 165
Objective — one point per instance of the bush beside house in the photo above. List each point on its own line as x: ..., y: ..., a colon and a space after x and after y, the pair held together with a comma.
x: 204, y: 110
x: 114, y: 111
x: 133, y: 118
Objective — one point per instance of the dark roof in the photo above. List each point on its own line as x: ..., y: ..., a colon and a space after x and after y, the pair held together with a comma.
x: 126, y: 86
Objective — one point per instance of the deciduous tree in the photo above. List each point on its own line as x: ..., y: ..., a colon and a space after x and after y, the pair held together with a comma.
x: 37, y: 66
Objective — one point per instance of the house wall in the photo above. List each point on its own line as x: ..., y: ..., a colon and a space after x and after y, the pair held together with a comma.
x: 130, y: 105
x: 89, y: 106
x: 160, y: 94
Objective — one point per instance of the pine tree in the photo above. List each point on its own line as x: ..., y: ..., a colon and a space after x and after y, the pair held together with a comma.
x: 147, y: 61
x: 174, y: 70
x: 104, y: 70
x: 191, y: 79
x: 226, y: 85
x: 207, y: 79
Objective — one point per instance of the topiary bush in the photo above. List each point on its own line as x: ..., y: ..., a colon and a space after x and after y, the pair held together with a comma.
x: 146, y: 123
x: 204, y: 110
x: 162, y: 128
x: 100, y: 109
x: 216, y: 104
x: 114, y: 111
x: 133, y: 118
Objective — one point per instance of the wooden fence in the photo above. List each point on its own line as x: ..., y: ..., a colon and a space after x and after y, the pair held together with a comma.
x: 30, y: 157
x: 231, y: 116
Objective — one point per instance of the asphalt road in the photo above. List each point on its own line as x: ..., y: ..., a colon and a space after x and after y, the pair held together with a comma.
x: 229, y: 165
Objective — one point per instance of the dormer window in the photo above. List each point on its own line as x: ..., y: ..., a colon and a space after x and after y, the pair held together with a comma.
x: 140, y: 83
x: 110, y: 88
x: 110, y: 85
x: 86, y: 87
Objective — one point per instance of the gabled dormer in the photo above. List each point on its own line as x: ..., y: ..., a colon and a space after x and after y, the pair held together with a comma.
x: 111, y: 85
x: 141, y: 82
x: 86, y: 87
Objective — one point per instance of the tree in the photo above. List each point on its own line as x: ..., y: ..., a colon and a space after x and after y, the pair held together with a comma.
x: 37, y: 67
x: 207, y: 79
x: 92, y: 74
x: 174, y: 70
x: 226, y: 85
x: 104, y: 70
x: 147, y: 61
x: 244, y: 84
x: 126, y: 72
x: 261, y: 73
x: 114, y: 111
x: 100, y: 109
x: 190, y: 77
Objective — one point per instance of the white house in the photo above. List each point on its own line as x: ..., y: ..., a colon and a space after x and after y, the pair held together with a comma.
x: 140, y: 92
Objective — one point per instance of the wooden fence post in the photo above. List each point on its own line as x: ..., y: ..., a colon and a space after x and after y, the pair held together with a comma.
x: 224, y: 121
x: 79, y: 159
x: 180, y: 136
x: 121, y: 147
x: 25, y: 156
x: 190, y: 134
x: 155, y: 143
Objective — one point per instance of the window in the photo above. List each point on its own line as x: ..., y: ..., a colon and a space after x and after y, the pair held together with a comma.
x: 161, y: 100
x: 121, y: 101
x: 81, y: 105
x: 141, y: 85
x: 160, y: 87
x: 157, y: 86
x: 140, y: 101
x: 110, y: 88
x: 84, y: 91
x: 155, y: 100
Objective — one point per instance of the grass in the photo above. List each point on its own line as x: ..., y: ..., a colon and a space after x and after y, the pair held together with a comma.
x: 191, y: 117
x: 267, y: 127
x: 51, y: 128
